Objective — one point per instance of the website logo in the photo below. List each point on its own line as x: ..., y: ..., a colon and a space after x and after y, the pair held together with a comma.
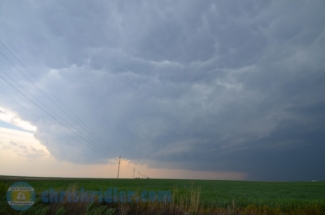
x: 20, y: 196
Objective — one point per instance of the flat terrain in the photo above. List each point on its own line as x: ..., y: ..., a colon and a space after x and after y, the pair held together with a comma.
x: 216, y: 194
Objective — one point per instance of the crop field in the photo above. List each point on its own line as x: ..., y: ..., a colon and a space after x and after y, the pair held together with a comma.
x: 188, y: 196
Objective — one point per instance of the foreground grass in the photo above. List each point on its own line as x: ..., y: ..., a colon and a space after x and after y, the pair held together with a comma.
x: 196, y: 196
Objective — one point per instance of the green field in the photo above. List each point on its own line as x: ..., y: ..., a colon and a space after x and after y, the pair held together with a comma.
x: 212, y: 197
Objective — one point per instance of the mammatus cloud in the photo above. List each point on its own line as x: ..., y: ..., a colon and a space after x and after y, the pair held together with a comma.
x: 191, y: 85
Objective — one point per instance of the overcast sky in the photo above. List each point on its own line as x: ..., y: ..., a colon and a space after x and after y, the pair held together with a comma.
x: 225, y: 89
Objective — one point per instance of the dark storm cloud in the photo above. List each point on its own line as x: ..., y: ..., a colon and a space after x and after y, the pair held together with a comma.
x: 235, y: 86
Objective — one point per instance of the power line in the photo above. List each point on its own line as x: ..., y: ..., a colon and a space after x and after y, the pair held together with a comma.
x: 103, y: 152
x: 133, y: 168
x: 48, y: 107
x: 29, y: 110
x: 83, y: 126
x: 103, y: 145
x: 20, y: 104
x: 119, y: 160
x: 52, y: 115
x: 118, y: 170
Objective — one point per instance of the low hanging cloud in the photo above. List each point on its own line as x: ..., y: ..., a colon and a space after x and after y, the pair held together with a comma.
x: 194, y: 85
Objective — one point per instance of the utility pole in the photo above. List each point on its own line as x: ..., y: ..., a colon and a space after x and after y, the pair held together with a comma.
x: 119, y: 162
x: 133, y: 171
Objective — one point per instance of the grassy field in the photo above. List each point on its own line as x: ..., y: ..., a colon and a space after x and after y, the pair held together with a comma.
x: 192, y: 196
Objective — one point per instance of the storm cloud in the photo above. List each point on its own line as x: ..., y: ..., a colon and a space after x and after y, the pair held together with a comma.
x: 197, y: 85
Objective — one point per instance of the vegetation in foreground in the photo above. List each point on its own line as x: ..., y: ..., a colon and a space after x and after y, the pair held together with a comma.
x: 189, y: 197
